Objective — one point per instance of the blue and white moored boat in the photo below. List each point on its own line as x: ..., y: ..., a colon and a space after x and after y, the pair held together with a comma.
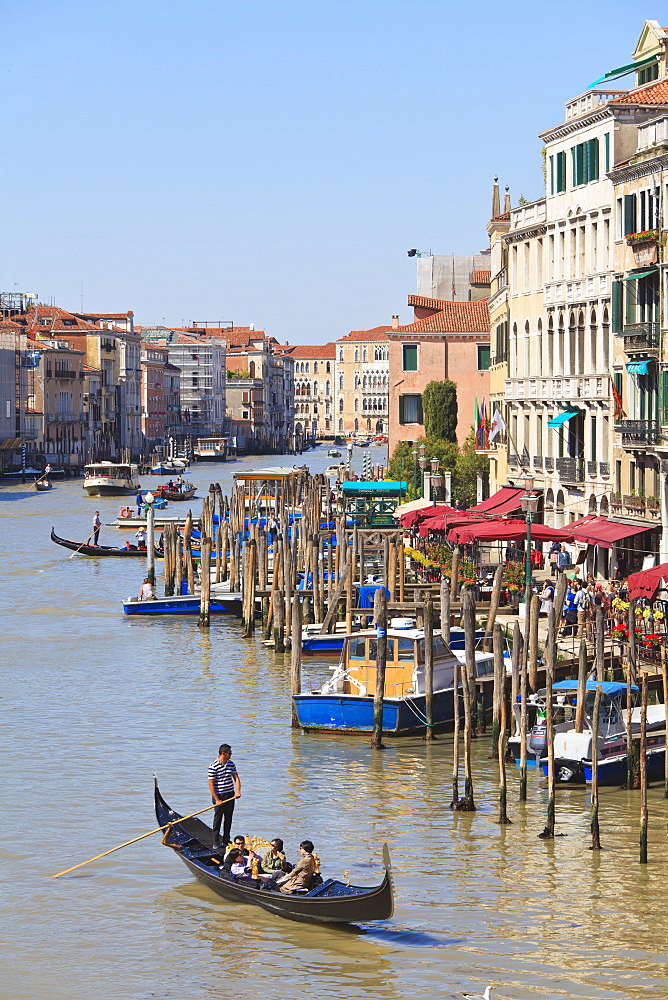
x: 345, y: 702
x: 221, y: 604
x: 573, y: 750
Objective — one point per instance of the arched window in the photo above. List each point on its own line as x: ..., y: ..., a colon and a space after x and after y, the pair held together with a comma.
x: 539, y: 347
x: 306, y: 367
x: 251, y: 369
x: 364, y: 404
x: 357, y: 403
x: 340, y: 383
x: 572, y: 346
x: 315, y: 367
x: 593, y: 343
x: 340, y: 406
x: 527, y: 360
x: 328, y: 388
x: 328, y: 370
x: 580, y: 344
x: 357, y: 425
x: 315, y: 388
x: 357, y: 354
x: 592, y: 504
x: 341, y: 425
x: 605, y: 342
x: 560, y: 347
x: 365, y: 355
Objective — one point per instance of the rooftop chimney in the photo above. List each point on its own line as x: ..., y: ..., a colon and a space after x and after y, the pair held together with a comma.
x: 496, y: 199
x: 395, y: 322
x: 506, y: 200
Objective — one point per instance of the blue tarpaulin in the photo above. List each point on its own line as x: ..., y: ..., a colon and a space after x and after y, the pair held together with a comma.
x: 366, y: 596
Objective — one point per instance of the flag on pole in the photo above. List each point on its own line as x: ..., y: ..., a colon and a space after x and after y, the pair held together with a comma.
x: 476, y: 421
x: 484, y: 427
x: 497, y: 425
x: 617, y: 397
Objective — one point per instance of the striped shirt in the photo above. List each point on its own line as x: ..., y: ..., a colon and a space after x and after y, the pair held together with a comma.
x: 223, y: 777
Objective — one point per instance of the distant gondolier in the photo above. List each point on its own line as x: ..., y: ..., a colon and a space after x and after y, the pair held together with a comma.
x: 97, y: 524
x: 140, y: 500
x: 224, y: 783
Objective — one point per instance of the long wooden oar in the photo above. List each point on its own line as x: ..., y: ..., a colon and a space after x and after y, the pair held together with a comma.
x: 173, y: 822
x: 81, y: 546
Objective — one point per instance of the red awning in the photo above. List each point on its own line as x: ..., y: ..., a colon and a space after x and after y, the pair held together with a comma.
x: 601, y: 531
x: 505, y: 500
x: 442, y: 522
x: 647, y: 581
x: 506, y: 531
x: 412, y: 517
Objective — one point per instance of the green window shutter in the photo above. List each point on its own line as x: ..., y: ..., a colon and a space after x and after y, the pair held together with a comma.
x: 629, y: 214
x: 631, y: 302
x: 607, y: 151
x: 574, y: 168
x: 401, y: 410
x: 580, y: 164
x: 420, y: 417
x: 561, y: 171
x: 592, y: 449
x: 483, y: 358
x: 593, y: 159
x: 410, y: 357
x: 551, y: 175
x: 663, y: 398
x: 617, y: 300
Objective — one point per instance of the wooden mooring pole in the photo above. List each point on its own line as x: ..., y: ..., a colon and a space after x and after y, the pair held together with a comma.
x: 380, y: 619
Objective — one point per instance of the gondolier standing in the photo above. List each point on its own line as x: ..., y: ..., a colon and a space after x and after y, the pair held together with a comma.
x: 97, y: 524
x: 224, y: 783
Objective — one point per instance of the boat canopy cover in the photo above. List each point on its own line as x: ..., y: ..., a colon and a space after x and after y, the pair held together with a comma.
x: 613, y: 689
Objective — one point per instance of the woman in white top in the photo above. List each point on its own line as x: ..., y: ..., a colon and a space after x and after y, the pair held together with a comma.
x: 547, y: 598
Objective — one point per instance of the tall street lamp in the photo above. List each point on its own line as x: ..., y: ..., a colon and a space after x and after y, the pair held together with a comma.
x: 415, y: 472
x: 435, y: 463
x: 529, y: 508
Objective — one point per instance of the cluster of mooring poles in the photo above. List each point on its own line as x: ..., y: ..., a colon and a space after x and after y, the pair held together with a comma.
x: 295, y: 557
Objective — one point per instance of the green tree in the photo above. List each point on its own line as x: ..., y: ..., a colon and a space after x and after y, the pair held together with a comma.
x: 439, y: 405
x: 464, y: 464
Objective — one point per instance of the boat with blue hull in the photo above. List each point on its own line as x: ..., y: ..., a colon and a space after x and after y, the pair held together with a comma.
x: 345, y: 702
x: 573, y: 749
x: 188, y: 604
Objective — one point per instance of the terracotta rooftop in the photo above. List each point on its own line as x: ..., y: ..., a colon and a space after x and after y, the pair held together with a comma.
x: 481, y: 277
x: 655, y: 93
x: 452, y: 317
x: 303, y: 351
x: 93, y: 317
x: 51, y: 319
x: 376, y: 333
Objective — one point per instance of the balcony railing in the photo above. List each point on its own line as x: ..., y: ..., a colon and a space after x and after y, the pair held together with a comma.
x: 499, y: 281
x: 65, y: 418
x: 591, y: 469
x: 605, y: 468
x: 538, y: 461
x: 571, y: 470
x: 638, y: 433
x: 64, y: 373
x: 498, y: 359
x: 548, y: 464
x: 641, y: 337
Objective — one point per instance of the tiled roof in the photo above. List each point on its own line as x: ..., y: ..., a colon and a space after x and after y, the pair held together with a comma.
x: 56, y: 321
x: 376, y: 333
x: 654, y: 93
x: 481, y: 277
x: 316, y: 351
x: 453, y: 317
x: 423, y: 302
x: 93, y: 317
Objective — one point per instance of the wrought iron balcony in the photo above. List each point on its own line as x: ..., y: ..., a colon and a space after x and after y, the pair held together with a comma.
x: 591, y: 469
x: 538, y: 461
x: 638, y: 433
x: 571, y: 470
x: 548, y: 464
x: 641, y: 337
x: 605, y: 468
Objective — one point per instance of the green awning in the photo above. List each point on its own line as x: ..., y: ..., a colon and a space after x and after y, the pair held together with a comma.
x: 638, y: 367
x: 561, y: 418
x: 640, y: 274
x: 622, y: 71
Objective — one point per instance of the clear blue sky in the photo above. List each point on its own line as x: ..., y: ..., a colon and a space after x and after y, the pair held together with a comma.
x: 269, y: 162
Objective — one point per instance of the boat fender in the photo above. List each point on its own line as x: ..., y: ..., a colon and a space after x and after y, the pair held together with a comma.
x: 125, y: 512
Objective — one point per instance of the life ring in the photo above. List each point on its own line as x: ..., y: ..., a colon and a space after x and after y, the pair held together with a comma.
x: 125, y: 512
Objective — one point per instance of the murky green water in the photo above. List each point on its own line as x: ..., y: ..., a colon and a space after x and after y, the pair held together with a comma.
x: 94, y: 704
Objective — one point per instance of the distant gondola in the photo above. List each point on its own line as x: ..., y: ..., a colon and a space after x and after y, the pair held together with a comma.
x: 331, y: 902
x: 99, y: 550
x: 42, y: 485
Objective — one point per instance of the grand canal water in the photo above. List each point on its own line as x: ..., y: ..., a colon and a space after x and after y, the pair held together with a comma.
x: 94, y: 704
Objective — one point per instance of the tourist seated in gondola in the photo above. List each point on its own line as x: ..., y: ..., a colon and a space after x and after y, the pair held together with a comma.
x: 301, y: 876
x: 237, y: 864
x: 241, y: 845
x: 141, y: 538
x: 274, y: 860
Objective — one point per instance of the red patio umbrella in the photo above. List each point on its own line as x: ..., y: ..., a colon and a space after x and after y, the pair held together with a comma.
x: 505, y: 530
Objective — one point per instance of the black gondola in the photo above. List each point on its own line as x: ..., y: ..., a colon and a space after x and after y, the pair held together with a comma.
x: 99, y: 550
x: 331, y: 902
